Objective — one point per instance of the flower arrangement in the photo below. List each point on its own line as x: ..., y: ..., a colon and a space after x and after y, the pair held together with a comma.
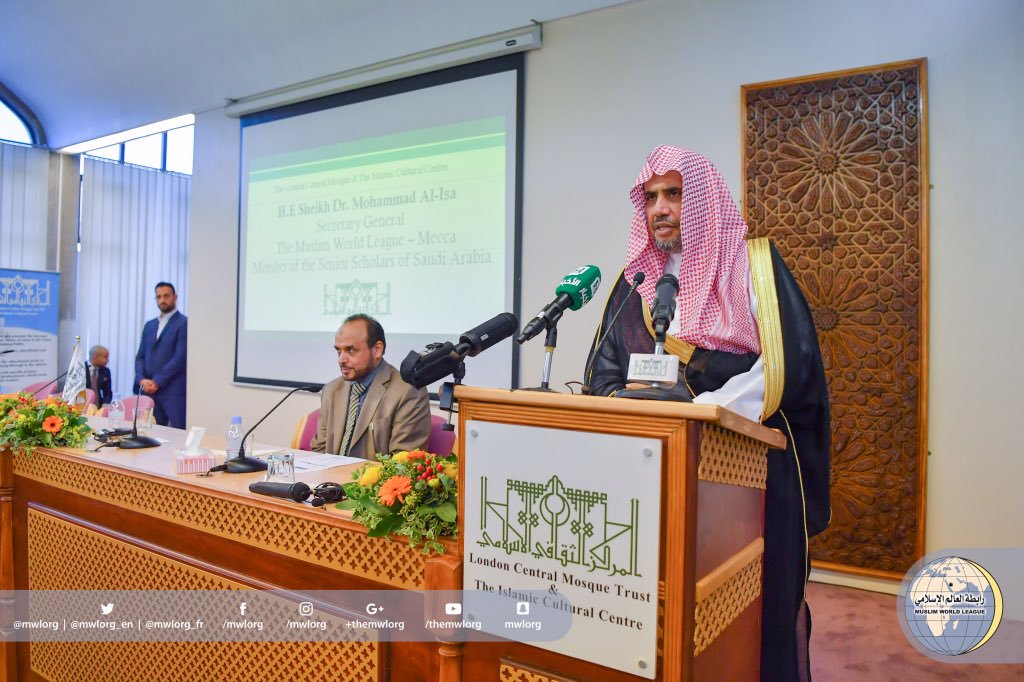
x: 27, y: 422
x: 414, y: 494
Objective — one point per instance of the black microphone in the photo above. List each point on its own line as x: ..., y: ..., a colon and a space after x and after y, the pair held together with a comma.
x: 423, y: 369
x: 245, y: 465
x: 135, y: 441
x: 483, y: 336
x: 47, y: 384
x: 638, y: 279
x: 574, y: 291
x: 442, y: 359
x: 289, y: 491
x: 664, y: 303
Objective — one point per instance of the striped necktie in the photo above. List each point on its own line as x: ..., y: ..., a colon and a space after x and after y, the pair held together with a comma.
x: 354, y: 392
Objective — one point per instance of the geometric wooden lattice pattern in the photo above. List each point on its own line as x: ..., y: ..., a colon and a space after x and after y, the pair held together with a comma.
x: 720, y: 608
x: 512, y: 672
x: 730, y: 458
x: 101, y: 562
x: 835, y: 173
x: 335, y: 546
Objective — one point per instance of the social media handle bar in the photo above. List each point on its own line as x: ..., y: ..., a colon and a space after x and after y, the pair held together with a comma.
x: 278, y: 615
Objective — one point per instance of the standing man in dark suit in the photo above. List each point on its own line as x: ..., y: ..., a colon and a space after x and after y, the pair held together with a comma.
x: 97, y: 375
x: 163, y: 354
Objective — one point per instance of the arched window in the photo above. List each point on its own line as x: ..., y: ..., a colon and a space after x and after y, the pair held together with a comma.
x: 12, y: 128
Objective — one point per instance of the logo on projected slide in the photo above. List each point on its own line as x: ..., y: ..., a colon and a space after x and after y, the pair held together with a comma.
x: 552, y: 521
x: 952, y: 606
x: 346, y: 298
x: 22, y: 291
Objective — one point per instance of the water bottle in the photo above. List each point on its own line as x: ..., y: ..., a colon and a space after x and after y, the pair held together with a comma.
x: 234, y: 439
x: 115, y: 412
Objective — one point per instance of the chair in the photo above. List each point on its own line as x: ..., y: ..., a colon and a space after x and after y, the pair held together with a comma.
x: 305, y: 430
x: 441, y: 441
x: 83, y: 400
x: 145, y: 403
x: 36, y: 389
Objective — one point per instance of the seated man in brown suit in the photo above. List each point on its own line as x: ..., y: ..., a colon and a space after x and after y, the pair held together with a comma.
x: 369, y: 409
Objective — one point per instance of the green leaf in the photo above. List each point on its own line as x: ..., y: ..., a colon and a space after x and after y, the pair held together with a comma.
x: 385, y: 526
x: 426, y: 510
x: 446, y: 511
x: 347, y: 505
x: 374, y: 507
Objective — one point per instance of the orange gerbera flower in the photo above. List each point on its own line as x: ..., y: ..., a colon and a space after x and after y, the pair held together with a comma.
x: 393, y: 489
x: 52, y: 424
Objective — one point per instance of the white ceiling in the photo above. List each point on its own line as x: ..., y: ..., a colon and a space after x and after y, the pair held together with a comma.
x: 88, y: 69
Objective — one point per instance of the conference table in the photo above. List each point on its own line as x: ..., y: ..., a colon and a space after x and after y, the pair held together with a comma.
x: 95, y: 529
x: 123, y: 520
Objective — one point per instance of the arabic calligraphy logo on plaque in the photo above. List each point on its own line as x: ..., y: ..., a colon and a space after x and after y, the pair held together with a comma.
x: 953, y: 606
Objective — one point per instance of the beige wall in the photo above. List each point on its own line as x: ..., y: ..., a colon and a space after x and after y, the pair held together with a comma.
x: 609, y: 85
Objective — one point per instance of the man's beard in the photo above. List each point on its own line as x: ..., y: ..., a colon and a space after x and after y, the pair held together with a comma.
x: 670, y: 245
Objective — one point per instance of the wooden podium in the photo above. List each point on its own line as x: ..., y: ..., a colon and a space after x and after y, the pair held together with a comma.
x: 709, y: 584
x: 123, y: 520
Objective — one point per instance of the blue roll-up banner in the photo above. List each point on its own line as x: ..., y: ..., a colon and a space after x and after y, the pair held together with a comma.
x: 28, y: 327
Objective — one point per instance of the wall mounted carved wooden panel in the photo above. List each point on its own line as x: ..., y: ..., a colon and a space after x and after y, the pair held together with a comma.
x: 835, y: 172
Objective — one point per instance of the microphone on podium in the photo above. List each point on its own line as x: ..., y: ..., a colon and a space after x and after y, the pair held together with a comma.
x: 661, y: 371
x: 573, y: 292
x: 441, y: 359
x: 664, y: 309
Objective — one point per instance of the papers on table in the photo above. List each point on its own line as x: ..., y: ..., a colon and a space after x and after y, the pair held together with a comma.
x: 319, y: 462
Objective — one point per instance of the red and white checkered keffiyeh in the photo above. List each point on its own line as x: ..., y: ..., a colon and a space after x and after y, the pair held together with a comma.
x: 713, y: 305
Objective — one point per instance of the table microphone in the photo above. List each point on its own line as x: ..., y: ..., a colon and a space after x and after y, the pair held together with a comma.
x: 247, y: 465
x: 47, y: 384
x: 289, y: 491
x: 135, y: 441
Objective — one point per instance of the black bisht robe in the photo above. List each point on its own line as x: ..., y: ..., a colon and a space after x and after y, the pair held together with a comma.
x: 804, y: 465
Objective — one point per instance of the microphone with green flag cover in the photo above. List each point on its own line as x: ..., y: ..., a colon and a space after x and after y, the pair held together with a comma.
x: 573, y: 292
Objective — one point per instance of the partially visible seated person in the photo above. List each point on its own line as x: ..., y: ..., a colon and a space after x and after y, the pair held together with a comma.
x: 97, y: 375
x: 369, y: 409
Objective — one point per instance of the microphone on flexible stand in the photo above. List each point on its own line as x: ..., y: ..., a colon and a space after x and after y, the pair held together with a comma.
x: 135, y: 441
x: 664, y: 309
x: 47, y: 384
x: 246, y: 465
x: 638, y: 279
x: 659, y: 369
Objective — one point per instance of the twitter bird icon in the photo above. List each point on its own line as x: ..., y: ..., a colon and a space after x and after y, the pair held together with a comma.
x: 105, y: 609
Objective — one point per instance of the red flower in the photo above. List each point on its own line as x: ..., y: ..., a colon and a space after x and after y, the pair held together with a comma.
x: 52, y: 424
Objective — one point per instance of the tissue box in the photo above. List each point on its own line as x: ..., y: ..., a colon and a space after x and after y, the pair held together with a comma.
x: 193, y: 464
